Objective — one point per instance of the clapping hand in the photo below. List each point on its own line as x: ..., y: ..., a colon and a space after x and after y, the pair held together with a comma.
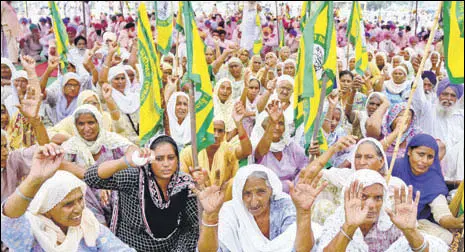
x: 306, y: 190
x: 404, y: 215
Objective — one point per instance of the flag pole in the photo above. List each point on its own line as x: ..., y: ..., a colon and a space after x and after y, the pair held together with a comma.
x: 316, y: 125
x: 416, y: 17
x: 84, y: 17
x: 193, y: 125
x: 277, y: 22
x: 414, y: 87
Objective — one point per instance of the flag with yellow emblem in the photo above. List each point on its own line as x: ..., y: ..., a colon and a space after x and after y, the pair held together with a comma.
x: 61, y: 35
x: 164, y: 25
x: 356, y: 34
x: 452, y: 14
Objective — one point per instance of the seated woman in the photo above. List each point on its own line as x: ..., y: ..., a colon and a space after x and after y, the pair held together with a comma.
x: 93, y: 144
x: 249, y: 99
x: 179, y: 119
x: 65, y: 128
x: 421, y: 168
x: 7, y: 70
x: 260, y: 217
x: 367, y: 154
x: 273, y: 147
x: 56, y: 218
x: 364, y: 224
x: 376, y: 103
x: 222, y: 157
x: 255, y: 64
x: 156, y: 211
x: 289, y: 67
x: 397, y: 89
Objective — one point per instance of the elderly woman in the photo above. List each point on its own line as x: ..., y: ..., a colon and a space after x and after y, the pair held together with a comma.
x: 223, y: 103
x: 421, y: 169
x: 179, y: 121
x: 289, y: 67
x: 92, y: 144
x: 361, y: 119
x: 271, y: 61
x: 249, y: 99
x: 364, y: 223
x: 397, y: 89
x: 20, y: 82
x: 255, y: 64
x: 233, y: 72
x: 155, y: 209
x: 284, y: 53
x: 56, y: 218
x: 260, y: 217
x: 65, y: 128
x: 243, y: 55
x: 273, y: 147
x: 351, y: 87
x: 7, y: 70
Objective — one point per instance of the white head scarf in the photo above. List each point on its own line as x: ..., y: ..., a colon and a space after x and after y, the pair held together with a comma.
x: 364, y: 114
x: 397, y: 88
x: 129, y: 102
x: 223, y: 111
x: 429, y: 63
x: 6, y: 61
x: 85, y: 149
x: 411, y: 53
x: 181, y: 133
x: 45, y: 231
x: 13, y: 99
x: 384, y: 169
x: 238, y: 230
x: 62, y: 108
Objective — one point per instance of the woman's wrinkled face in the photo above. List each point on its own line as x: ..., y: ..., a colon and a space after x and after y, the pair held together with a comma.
x: 279, y: 70
x: 92, y: 100
x: 119, y: 82
x: 131, y: 75
x: 68, y: 213
x: 367, y: 157
x: 181, y: 109
x: 399, y: 119
x: 244, y: 56
x: 372, y: 197
x: 289, y: 69
x: 168, y: 59
x: 235, y: 69
x: 373, y: 104
x: 5, y: 118
x: 285, y: 53
x: 346, y: 82
x: 5, y: 72
x: 5, y: 151
x: 256, y: 64
x: 398, y: 76
x: 165, y: 163
x: 427, y: 86
x: 379, y: 61
x: 219, y: 130
x: 396, y: 62
x: 406, y: 55
x: 256, y: 196
x: 336, y: 119
x: 351, y: 64
x: 271, y: 60
x: 88, y: 127
x: 21, y: 84
x: 253, y: 89
x: 209, y: 55
x: 278, y: 129
x: 421, y: 159
x: 224, y: 91
x: 285, y: 90
x: 72, y: 88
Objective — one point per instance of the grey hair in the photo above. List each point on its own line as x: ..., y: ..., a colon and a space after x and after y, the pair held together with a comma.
x: 379, y: 152
x: 261, y: 175
x: 83, y: 112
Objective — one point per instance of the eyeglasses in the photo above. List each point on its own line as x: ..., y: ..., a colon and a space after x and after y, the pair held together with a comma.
x: 72, y: 86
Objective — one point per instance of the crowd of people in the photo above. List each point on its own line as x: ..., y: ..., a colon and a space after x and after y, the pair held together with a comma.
x: 71, y: 178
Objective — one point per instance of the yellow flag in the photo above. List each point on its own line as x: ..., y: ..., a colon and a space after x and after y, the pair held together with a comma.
x: 164, y: 16
x: 356, y: 31
x: 258, y: 43
x: 151, y: 113
x: 453, y: 40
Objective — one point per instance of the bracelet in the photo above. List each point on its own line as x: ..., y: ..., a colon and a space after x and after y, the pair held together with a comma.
x: 126, y: 161
x: 209, y: 225
x: 242, y: 137
x: 22, y: 195
x: 344, y: 233
x: 422, y: 247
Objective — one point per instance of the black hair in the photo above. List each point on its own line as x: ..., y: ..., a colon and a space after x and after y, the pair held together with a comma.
x: 346, y: 72
x: 165, y: 139
x: 76, y: 40
x: 129, y: 25
x: 221, y: 32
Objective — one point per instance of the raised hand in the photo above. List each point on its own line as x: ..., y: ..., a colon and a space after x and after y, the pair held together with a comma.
x: 28, y: 63
x: 46, y: 161
x: 112, y: 48
x: 143, y: 153
x: 333, y: 98
x: 53, y: 62
x: 30, y: 105
x: 211, y: 198
x: 238, y: 112
x: 404, y: 215
x: 106, y: 91
x: 314, y: 149
x: 358, y: 82
x: 304, y: 193
x: 105, y: 196
x: 354, y: 211
x: 200, y: 177
x: 345, y: 142
x: 271, y: 85
x: 275, y: 110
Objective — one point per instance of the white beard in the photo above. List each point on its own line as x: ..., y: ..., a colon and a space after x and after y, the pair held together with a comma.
x: 445, y: 112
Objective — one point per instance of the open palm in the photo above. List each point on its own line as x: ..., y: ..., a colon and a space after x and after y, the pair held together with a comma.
x: 404, y: 215
x: 211, y: 199
x: 305, y: 192
x: 30, y: 105
x: 354, y: 210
